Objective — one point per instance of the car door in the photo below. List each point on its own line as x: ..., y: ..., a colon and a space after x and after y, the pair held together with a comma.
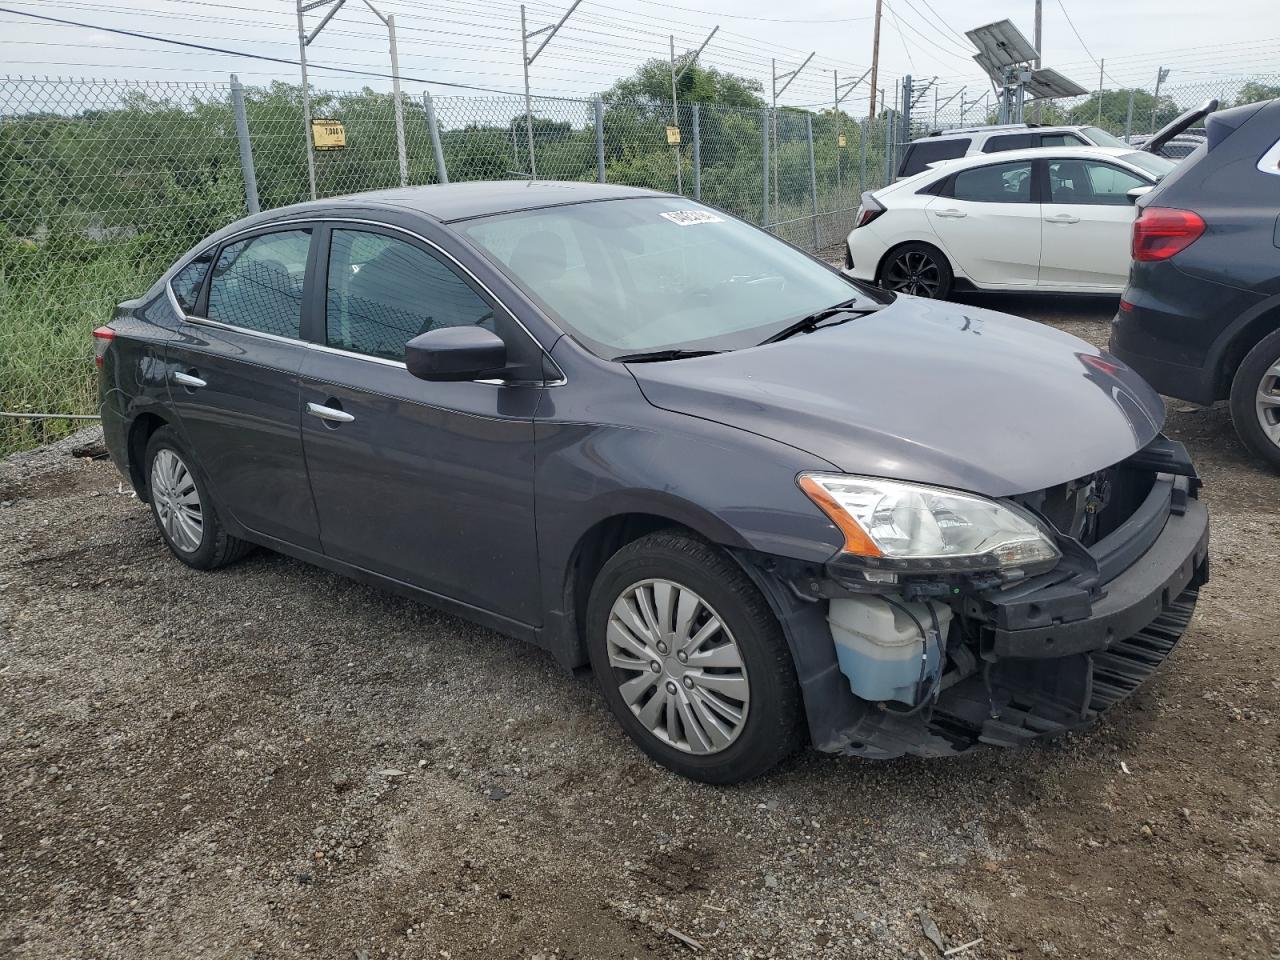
x: 988, y: 221
x: 428, y: 483
x: 233, y: 382
x: 1088, y: 222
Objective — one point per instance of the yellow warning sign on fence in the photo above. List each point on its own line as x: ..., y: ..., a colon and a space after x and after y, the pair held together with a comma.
x: 328, y: 134
x: 841, y: 142
x: 673, y: 136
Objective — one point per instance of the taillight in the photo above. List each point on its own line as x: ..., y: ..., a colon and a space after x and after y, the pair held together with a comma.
x: 866, y: 215
x: 102, y: 338
x: 1161, y: 232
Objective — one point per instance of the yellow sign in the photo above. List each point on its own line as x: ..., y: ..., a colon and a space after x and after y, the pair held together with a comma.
x: 841, y: 141
x: 673, y: 136
x: 328, y: 134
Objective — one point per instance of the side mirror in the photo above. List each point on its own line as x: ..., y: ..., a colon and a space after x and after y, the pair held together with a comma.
x: 456, y: 353
x: 1138, y: 192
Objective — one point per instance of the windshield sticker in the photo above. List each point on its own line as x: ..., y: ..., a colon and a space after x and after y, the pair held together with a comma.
x: 687, y: 218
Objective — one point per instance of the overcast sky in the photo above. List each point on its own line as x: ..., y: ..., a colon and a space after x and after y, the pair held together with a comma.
x: 478, y: 43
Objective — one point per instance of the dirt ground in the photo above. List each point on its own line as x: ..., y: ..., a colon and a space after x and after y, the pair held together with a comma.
x: 270, y: 762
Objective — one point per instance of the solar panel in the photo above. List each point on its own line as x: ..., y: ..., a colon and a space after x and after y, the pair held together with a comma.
x: 1048, y: 84
x: 1002, y: 43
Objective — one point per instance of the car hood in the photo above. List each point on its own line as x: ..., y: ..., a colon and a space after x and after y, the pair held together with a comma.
x: 926, y: 391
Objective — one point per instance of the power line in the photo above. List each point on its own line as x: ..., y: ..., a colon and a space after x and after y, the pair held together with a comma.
x: 1085, y: 46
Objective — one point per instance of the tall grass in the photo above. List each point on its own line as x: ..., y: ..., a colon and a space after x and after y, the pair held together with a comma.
x: 48, y: 309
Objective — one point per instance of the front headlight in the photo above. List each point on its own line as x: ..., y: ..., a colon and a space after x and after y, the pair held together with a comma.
x: 910, y: 526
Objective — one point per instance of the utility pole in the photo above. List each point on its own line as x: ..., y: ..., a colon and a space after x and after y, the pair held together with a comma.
x: 875, y: 60
x: 675, y: 113
x: 1161, y: 75
x: 1101, y: 63
x: 527, y: 60
x: 304, y: 41
x: 1039, y: 37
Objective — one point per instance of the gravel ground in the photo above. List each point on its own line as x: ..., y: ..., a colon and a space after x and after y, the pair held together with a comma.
x: 270, y: 761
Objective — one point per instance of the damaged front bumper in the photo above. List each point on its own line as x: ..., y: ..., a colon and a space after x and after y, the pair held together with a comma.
x: 1034, y: 658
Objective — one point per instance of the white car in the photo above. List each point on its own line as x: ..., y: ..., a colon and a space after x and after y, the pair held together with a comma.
x: 1052, y: 219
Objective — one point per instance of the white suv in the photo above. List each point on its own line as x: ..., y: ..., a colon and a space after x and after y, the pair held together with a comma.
x: 971, y: 141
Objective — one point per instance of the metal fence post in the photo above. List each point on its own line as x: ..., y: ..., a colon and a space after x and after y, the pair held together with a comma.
x: 890, y: 119
x: 697, y: 153
x: 442, y: 173
x: 813, y: 181
x: 246, y: 148
x: 1128, y: 119
x: 599, y: 104
x: 764, y: 170
x: 862, y: 156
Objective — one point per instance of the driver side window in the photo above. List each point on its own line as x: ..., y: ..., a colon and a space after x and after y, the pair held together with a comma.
x: 382, y: 292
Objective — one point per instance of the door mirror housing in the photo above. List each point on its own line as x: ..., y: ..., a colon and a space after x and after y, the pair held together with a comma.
x: 456, y: 353
x: 1138, y: 193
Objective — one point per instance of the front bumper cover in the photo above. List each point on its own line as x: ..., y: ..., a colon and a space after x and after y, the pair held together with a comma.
x: 1052, y: 653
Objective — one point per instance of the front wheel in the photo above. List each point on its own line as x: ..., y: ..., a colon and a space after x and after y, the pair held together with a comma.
x: 917, y: 269
x: 691, y: 659
x: 1255, y: 399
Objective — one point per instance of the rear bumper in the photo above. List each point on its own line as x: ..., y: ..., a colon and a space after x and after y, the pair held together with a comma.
x: 1186, y: 381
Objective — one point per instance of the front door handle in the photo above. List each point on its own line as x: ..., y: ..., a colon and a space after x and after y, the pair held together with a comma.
x: 331, y: 414
x: 1062, y: 218
x: 951, y: 214
x: 187, y: 380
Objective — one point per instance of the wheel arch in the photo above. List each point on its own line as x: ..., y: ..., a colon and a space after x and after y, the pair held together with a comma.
x: 1243, y: 336
x: 141, y: 429
x: 602, y: 540
x: 885, y: 257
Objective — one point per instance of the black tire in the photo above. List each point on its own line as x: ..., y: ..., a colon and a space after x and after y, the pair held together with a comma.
x: 919, y: 269
x: 1253, y: 376
x: 772, y: 727
x: 216, y: 548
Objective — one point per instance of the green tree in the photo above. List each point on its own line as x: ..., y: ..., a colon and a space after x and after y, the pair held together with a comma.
x: 1256, y: 90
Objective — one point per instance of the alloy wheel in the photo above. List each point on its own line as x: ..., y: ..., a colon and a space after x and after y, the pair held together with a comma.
x: 913, y: 272
x: 1267, y: 403
x: 678, y: 667
x: 177, y: 501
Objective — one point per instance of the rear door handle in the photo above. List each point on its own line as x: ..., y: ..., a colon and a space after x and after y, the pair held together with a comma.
x: 950, y: 214
x: 187, y: 380
x: 331, y: 414
x: 1062, y: 218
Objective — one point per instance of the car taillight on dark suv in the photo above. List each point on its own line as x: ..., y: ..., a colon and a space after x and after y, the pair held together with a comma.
x: 102, y: 338
x: 1161, y: 232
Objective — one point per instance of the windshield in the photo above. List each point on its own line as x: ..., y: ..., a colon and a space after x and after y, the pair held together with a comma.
x: 1102, y: 138
x: 1153, y: 164
x: 647, y: 274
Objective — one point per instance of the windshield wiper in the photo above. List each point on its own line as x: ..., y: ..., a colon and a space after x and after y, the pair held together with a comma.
x: 813, y: 321
x: 654, y: 356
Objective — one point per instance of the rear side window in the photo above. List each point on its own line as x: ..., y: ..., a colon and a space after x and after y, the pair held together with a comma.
x: 383, y: 292
x: 995, y: 183
x: 924, y: 152
x: 186, y: 283
x: 257, y: 283
x: 1008, y: 141
x: 1061, y: 140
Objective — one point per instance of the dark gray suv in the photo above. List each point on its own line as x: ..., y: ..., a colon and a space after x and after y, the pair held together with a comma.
x: 762, y: 501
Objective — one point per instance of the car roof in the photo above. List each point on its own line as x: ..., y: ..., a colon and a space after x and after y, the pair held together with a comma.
x: 1006, y: 128
x: 1034, y: 153
x: 482, y: 198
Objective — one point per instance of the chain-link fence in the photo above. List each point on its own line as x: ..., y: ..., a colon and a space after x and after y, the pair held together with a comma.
x: 104, y: 184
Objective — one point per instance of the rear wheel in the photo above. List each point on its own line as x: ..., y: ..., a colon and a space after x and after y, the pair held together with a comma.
x: 691, y: 660
x: 183, y: 511
x: 917, y: 269
x: 1255, y: 399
